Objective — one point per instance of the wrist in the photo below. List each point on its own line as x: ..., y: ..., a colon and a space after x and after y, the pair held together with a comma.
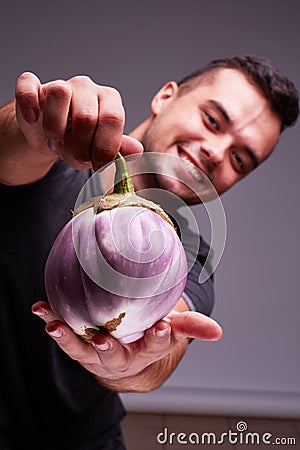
x: 19, y: 163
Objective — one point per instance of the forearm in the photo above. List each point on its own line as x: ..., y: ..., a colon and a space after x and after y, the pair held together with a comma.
x: 152, y: 376
x: 19, y: 162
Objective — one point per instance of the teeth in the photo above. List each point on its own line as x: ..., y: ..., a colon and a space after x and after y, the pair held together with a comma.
x: 196, y: 173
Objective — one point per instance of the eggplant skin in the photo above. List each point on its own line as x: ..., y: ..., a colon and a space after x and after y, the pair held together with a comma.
x: 120, y: 270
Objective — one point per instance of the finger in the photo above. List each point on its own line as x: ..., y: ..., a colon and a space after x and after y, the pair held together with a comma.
x: 43, y: 310
x: 84, y: 117
x: 71, y: 343
x: 56, y: 105
x: 157, y: 339
x: 109, y: 132
x: 194, y: 325
x: 28, y: 111
x: 130, y: 145
x: 27, y: 97
x: 113, y: 356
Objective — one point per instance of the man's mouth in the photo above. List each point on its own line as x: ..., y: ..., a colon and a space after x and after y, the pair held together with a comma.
x: 192, y: 167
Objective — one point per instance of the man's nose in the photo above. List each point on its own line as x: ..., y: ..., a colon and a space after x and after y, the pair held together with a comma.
x: 213, y: 152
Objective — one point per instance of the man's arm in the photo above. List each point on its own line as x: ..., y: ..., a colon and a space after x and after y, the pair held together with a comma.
x: 140, y: 366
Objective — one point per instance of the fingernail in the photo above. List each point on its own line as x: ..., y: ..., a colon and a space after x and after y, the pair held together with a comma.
x: 30, y: 115
x: 161, y: 332
x: 54, y: 144
x: 56, y: 333
x: 40, y: 312
x: 103, y: 347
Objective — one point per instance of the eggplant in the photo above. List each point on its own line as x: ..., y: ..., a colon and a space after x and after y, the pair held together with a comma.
x: 117, y: 266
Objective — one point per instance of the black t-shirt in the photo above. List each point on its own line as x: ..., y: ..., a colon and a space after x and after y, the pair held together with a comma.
x: 48, y: 401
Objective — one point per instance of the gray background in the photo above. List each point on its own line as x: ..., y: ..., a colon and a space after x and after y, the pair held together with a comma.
x: 137, y: 46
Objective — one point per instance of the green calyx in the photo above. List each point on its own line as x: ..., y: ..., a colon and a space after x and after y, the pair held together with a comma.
x: 122, y: 196
x: 123, y: 182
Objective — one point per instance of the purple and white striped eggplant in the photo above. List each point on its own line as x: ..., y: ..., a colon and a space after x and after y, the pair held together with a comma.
x: 117, y: 266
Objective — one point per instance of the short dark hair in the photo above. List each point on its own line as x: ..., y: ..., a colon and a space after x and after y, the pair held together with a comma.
x: 280, y: 92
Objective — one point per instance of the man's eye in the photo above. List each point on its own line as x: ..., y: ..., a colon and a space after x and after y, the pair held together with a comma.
x: 238, y: 161
x: 212, y: 121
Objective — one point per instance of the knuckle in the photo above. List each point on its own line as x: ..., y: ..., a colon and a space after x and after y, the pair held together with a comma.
x: 25, y: 76
x: 27, y: 87
x: 86, y: 119
x: 114, y: 119
x: 113, y: 92
x: 25, y: 97
x: 85, y: 79
x: 82, y: 80
x: 58, y: 89
x: 103, y: 154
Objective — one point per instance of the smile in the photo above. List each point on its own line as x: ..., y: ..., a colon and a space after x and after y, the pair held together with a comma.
x: 192, y: 169
x: 196, y: 172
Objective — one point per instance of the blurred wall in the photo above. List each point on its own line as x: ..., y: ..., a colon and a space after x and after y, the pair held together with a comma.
x: 137, y: 46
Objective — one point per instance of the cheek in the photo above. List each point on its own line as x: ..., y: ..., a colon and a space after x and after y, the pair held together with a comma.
x: 223, y: 179
x: 156, y: 137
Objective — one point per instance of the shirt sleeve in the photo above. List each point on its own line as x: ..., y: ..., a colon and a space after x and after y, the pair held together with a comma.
x: 92, y: 188
x: 199, y: 296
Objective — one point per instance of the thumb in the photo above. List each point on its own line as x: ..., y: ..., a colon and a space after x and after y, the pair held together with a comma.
x: 192, y: 324
x: 130, y: 145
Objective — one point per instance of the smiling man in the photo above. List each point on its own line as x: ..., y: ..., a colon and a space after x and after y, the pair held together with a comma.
x: 223, y: 121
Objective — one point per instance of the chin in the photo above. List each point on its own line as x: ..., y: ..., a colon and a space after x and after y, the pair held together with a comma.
x: 177, y: 188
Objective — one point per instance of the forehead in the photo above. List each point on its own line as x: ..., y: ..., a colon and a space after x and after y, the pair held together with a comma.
x: 232, y: 86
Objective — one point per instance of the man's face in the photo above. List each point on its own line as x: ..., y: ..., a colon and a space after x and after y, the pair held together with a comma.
x: 223, y: 126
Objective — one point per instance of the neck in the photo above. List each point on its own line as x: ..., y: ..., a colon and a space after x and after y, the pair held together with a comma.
x: 140, y: 130
x: 143, y: 181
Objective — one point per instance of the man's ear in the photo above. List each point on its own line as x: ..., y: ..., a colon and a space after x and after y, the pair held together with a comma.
x: 164, y: 95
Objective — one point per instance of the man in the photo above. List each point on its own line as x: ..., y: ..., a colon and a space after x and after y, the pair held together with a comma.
x: 225, y: 119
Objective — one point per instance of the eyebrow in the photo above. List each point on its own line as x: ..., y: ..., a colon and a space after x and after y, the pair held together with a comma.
x: 252, y: 155
x: 222, y: 110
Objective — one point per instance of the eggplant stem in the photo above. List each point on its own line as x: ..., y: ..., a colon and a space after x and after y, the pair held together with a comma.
x: 123, y: 182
